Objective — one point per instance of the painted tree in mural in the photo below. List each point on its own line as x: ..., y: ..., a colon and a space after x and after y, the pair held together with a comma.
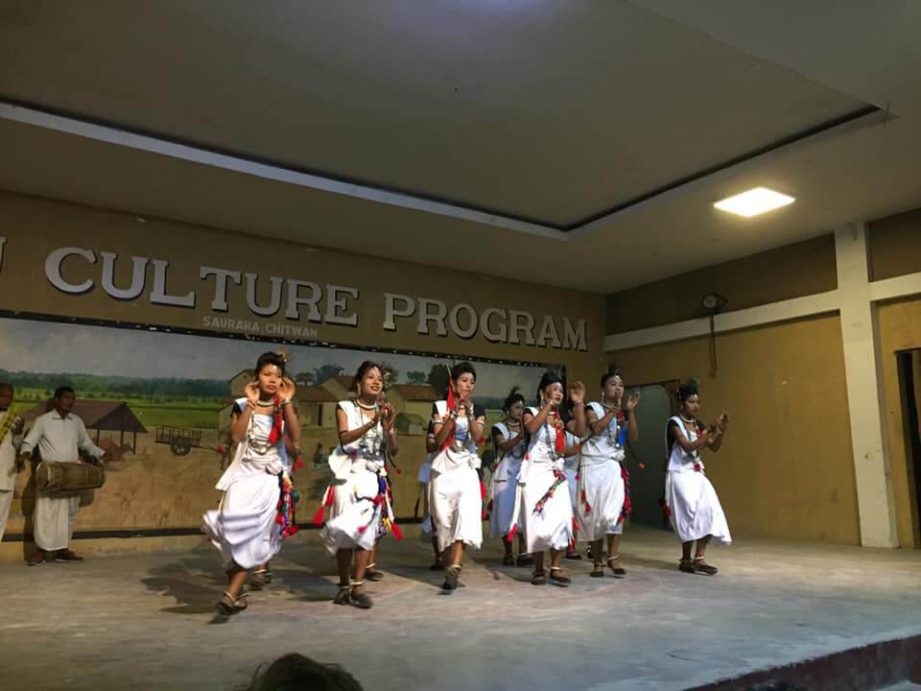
x: 417, y: 377
x: 438, y: 378
x: 318, y: 375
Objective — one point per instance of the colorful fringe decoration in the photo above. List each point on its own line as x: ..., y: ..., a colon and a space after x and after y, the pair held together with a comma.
x: 298, y: 462
x: 391, y: 527
x: 548, y: 495
x: 628, y: 505
x: 329, y: 498
x: 382, y: 500
x: 287, y: 504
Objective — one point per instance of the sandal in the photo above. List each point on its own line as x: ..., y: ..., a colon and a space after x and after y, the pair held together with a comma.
x: 557, y: 576
x: 359, y: 600
x: 451, y: 574
x: 597, y: 570
x: 259, y: 579
x: 539, y: 577
x: 619, y: 571
x: 373, y: 574
x: 37, y: 558
x: 686, y: 566
x: 344, y: 596
x: 67, y: 555
x: 228, y: 604
x: 700, y: 566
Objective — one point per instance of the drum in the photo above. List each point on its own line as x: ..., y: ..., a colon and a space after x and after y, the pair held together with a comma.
x: 51, y: 477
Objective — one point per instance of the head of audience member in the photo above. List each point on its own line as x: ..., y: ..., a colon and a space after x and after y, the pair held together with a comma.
x: 294, y: 672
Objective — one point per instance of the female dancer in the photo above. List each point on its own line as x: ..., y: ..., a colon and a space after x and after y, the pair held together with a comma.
x: 691, y: 501
x: 543, y: 495
x: 510, y: 441
x: 256, y: 511
x: 361, y: 508
x: 603, y: 501
x: 457, y: 501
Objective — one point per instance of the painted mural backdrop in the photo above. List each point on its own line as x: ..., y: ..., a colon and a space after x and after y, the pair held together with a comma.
x: 160, y: 402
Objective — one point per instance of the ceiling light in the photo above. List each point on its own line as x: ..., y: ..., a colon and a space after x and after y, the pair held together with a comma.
x: 755, y: 201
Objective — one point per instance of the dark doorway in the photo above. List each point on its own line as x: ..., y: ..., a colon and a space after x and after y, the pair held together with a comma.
x: 909, y: 366
x: 647, y: 486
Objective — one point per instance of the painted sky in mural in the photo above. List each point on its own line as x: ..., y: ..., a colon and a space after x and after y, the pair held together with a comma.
x: 50, y: 347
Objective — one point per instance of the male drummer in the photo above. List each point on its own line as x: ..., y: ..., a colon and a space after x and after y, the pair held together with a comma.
x: 59, y: 436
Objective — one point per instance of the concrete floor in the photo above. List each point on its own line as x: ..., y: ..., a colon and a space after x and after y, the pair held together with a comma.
x: 147, y: 621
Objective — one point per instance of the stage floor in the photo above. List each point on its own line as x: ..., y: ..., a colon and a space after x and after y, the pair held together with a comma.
x: 147, y: 621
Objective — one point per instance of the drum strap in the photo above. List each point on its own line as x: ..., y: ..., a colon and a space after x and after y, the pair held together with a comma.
x: 9, y: 422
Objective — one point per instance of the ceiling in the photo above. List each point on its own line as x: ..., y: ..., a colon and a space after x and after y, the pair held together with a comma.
x: 577, y: 144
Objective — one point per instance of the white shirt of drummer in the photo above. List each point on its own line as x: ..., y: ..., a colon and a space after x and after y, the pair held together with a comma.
x: 59, y: 438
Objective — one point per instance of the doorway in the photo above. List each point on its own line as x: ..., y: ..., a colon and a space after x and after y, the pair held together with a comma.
x: 658, y: 403
x: 909, y: 371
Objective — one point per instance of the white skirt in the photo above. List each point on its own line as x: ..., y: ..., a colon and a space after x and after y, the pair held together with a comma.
x: 457, y: 506
x: 550, y: 528
x: 694, y: 507
x: 599, y: 509
x: 244, y: 528
x: 502, y: 490
x: 355, y: 519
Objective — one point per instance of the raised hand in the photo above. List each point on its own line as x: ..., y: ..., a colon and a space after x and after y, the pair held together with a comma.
x: 577, y: 392
x: 466, y: 405
x: 387, y: 416
x: 632, y: 400
x: 286, y: 389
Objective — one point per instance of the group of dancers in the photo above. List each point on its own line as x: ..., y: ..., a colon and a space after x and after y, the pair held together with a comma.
x: 559, y: 477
